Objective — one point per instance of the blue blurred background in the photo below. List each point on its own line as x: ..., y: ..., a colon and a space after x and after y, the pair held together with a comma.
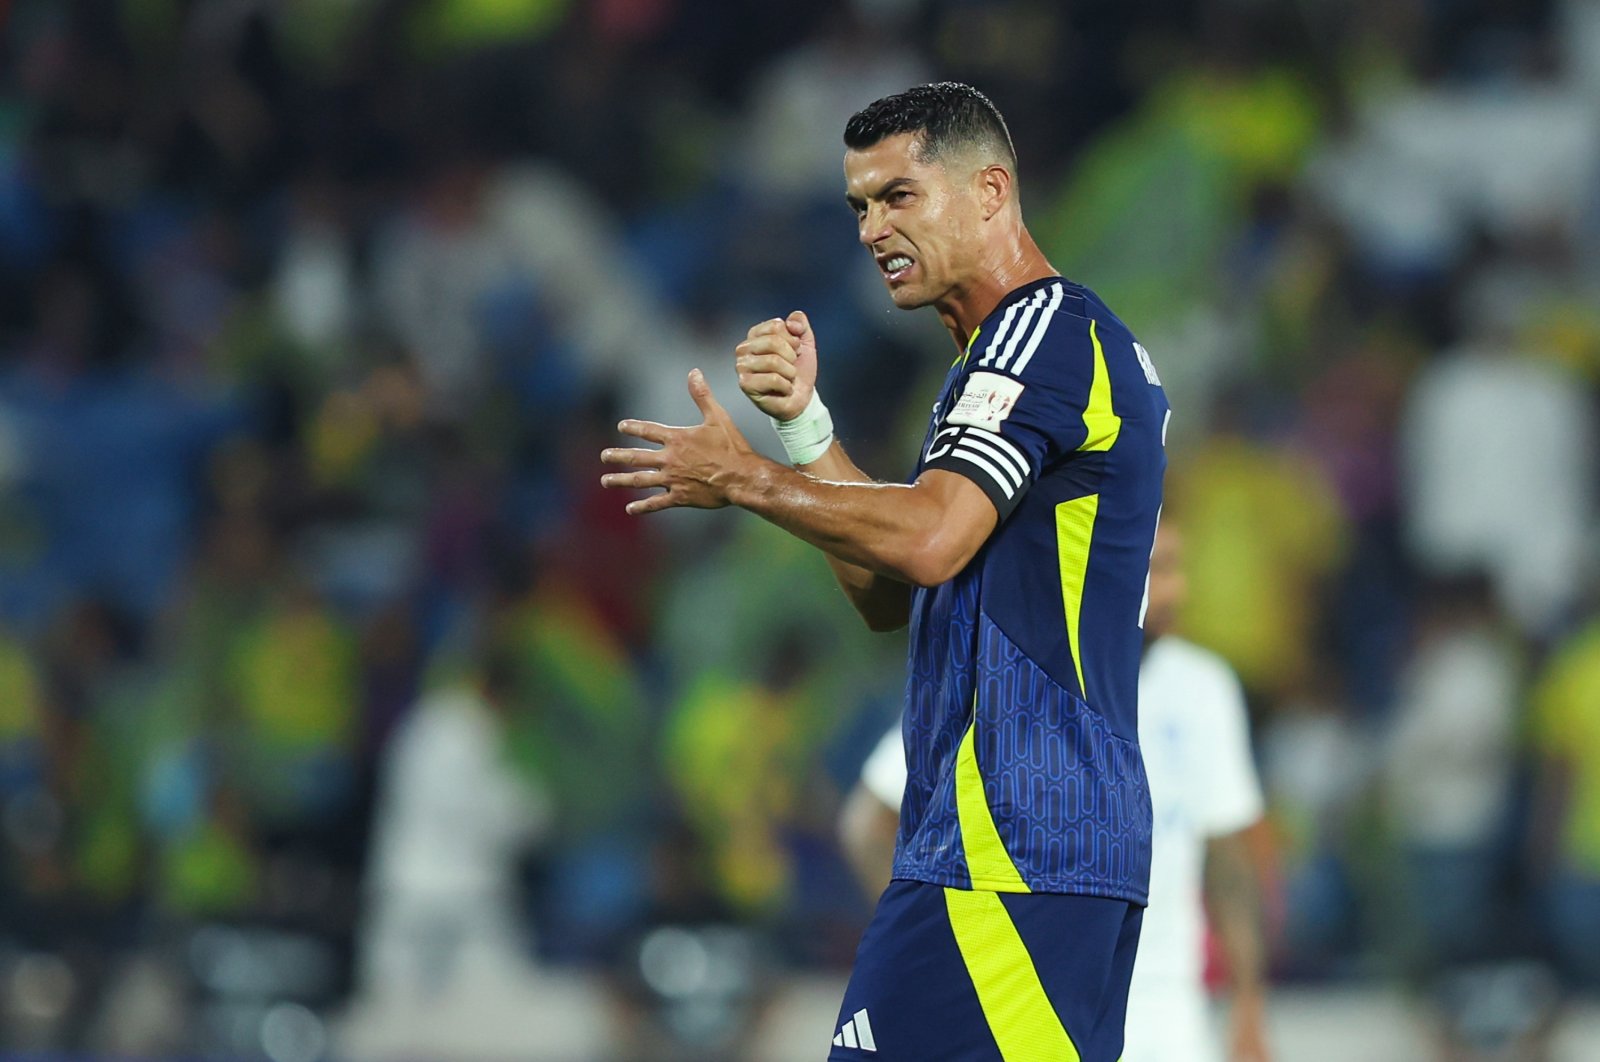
x: 342, y: 714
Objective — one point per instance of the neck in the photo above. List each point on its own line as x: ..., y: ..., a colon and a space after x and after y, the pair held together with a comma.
x: 1017, y: 263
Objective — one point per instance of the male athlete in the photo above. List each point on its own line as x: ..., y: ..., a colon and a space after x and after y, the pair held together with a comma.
x: 1018, y: 554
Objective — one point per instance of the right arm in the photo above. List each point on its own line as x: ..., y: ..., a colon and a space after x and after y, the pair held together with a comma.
x: 870, y: 818
x: 777, y: 366
x: 884, y: 602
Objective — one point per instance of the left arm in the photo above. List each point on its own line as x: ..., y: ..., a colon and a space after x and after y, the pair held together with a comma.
x: 1233, y: 900
x: 923, y: 533
x: 1231, y: 811
x: 867, y: 829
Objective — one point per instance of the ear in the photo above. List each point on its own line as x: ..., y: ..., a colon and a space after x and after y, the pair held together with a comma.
x: 996, y: 189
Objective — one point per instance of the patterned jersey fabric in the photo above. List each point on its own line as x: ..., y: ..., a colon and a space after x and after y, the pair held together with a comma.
x: 1021, y: 701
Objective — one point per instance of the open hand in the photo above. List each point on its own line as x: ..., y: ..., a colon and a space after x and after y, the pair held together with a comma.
x: 696, y: 465
x: 777, y: 365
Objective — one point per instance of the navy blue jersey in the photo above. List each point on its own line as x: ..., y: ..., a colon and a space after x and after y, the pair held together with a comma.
x: 1021, y: 716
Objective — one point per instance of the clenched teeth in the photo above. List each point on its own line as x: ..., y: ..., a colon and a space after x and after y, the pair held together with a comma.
x: 897, y: 263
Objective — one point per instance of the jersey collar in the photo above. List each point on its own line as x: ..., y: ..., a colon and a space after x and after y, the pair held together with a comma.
x: 1013, y: 296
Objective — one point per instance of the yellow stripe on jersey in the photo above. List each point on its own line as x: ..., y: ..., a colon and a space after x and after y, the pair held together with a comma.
x: 1074, y: 531
x: 1099, y: 418
x: 988, y: 863
x: 1024, y: 1024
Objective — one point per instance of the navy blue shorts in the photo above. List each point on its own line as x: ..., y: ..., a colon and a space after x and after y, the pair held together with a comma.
x: 966, y: 976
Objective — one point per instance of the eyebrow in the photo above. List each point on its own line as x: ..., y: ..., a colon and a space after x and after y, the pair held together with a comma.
x: 856, y: 202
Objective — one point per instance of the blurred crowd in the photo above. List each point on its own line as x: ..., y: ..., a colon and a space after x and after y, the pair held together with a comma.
x: 327, y: 670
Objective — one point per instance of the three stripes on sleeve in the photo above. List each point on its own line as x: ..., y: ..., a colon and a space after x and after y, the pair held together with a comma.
x: 970, y: 439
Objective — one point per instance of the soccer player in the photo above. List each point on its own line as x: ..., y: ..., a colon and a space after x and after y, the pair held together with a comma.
x: 1018, y: 554
x: 1194, y: 734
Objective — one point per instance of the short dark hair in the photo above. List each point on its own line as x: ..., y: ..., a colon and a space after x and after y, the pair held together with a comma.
x: 948, y: 116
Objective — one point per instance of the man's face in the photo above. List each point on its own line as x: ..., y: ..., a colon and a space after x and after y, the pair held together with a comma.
x: 1168, y: 584
x: 920, y: 221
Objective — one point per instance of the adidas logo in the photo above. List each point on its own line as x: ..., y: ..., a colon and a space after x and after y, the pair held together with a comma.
x: 857, y: 1033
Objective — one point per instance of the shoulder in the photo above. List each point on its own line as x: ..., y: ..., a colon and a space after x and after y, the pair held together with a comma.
x: 1056, y: 328
x: 1121, y: 348
x: 1042, y: 317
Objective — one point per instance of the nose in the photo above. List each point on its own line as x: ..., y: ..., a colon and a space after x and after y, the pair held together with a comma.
x: 873, y: 227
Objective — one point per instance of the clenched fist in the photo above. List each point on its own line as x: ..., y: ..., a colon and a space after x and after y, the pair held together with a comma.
x: 777, y: 365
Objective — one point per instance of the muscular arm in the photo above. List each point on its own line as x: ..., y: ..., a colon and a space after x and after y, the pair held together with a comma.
x: 922, y: 533
x: 884, y: 600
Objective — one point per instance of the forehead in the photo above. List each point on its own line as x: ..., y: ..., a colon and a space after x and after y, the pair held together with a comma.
x: 868, y: 169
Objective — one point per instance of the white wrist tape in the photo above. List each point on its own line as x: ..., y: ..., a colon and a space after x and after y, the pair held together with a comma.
x: 808, y: 436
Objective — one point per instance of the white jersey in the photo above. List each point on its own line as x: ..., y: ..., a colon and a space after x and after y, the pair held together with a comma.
x: 1195, y: 738
x: 1194, y: 734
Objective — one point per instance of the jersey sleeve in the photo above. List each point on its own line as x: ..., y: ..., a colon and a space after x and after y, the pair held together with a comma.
x: 1232, y: 798
x: 1024, y: 401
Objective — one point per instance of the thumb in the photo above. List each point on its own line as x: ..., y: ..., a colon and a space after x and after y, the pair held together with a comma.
x: 798, y: 323
x: 700, y: 391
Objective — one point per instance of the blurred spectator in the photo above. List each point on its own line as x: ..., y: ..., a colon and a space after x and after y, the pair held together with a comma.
x: 1316, y: 769
x: 798, y: 106
x: 292, y: 677
x: 584, y: 734
x: 1565, y: 733
x: 454, y: 820
x: 1426, y: 164
x: 1448, y: 771
x: 438, y: 261
x: 736, y: 754
x: 31, y: 816
x: 1522, y: 511
x: 1264, y: 535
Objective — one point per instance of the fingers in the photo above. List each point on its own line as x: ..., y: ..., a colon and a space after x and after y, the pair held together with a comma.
x: 771, y: 345
x: 756, y: 364
x: 796, y: 324
x: 635, y: 480
x: 700, y: 391
x: 649, y: 477
x: 631, y: 458
x: 772, y: 326
x: 765, y: 383
x: 653, y: 504
x: 648, y: 430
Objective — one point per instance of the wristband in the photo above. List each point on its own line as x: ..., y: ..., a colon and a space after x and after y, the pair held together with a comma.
x: 808, y: 436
